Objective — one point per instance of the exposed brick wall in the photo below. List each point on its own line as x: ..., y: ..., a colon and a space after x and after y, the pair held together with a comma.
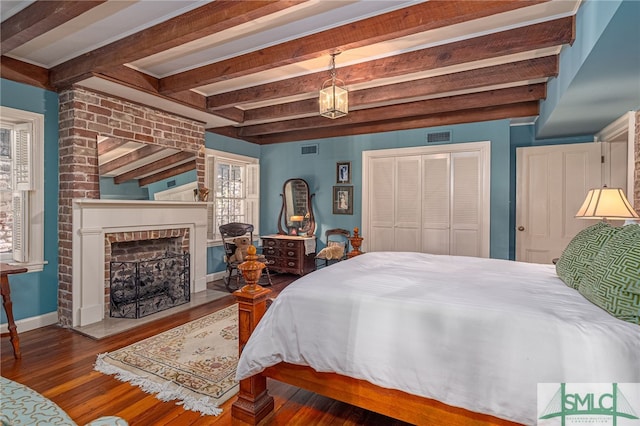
x: 84, y: 116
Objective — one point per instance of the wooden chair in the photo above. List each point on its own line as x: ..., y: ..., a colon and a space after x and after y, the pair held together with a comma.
x: 334, y: 238
x: 229, y: 232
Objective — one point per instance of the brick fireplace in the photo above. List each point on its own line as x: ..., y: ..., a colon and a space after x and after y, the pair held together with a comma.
x: 98, y: 222
x: 86, y: 115
x: 130, y: 247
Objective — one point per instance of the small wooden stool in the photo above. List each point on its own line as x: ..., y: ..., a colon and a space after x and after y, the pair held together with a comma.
x: 7, y: 270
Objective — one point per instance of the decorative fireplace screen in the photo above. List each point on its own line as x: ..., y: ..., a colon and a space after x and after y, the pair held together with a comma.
x: 143, y: 287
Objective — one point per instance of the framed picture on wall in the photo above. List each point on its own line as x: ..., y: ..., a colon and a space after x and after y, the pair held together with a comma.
x: 343, y: 172
x: 343, y: 200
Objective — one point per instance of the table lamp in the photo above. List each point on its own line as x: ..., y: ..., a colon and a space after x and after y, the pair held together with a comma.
x: 606, y: 204
x: 295, y: 220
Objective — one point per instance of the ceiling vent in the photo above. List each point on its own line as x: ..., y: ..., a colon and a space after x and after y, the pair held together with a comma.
x: 309, y: 149
x: 434, y: 137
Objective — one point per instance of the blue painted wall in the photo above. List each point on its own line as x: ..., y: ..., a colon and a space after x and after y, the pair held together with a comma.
x: 280, y: 162
x: 129, y: 190
x: 172, y: 182
x: 605, y: 50
x: 36, y: 293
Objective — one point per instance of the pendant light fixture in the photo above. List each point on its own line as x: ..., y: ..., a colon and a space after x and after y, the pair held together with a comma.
x: 334, y: 99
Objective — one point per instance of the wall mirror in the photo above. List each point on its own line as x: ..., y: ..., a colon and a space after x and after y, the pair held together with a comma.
x: 135, y: 170
x: 296, y: 215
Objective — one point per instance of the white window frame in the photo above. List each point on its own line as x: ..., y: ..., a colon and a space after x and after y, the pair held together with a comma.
x: 33, y: 194
x: 251, y: 189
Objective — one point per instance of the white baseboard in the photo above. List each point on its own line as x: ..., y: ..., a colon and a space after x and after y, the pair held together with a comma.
x: 216, y: 276
x: 27, y: 324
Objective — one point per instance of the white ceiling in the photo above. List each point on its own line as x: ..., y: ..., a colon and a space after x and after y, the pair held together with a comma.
x: 115, y: 19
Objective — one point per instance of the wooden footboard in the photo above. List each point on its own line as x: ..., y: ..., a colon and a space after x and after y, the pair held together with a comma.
x: 254, y: 403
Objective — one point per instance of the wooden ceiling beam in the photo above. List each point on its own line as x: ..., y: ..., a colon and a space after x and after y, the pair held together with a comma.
x: 399, y: 111
x: 521, y: 71
x: 165, y: 174
x: 525, y: 109
x: 38, y: 18
x: 130, y: 157
x: 155, y: 167
x: 399, y: 23
x: 22, y: 72
x: 534, y: 37
x: 192, y: 25
x: 145, y: 83
x: 110, y: 144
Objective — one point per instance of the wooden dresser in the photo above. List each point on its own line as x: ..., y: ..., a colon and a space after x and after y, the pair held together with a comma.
x: 288, y: 253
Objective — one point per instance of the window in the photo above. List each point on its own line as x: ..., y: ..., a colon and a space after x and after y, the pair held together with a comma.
x: 21, y: 188
x: 235, y: 189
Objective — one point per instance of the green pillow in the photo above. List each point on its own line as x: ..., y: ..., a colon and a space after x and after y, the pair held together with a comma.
x: 613, y: 279
x: 581, y: 251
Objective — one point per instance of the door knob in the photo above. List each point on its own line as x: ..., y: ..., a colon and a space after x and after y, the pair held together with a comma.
x: 520, y: 228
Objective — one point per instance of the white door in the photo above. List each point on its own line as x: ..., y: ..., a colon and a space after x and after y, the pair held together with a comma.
x: 466, y: 204
x: 428, y: 200
x: 381, y: 204
x: 452, y: 213
x: 551, y: 184
x: 436, y: 202
x: 408, y: 203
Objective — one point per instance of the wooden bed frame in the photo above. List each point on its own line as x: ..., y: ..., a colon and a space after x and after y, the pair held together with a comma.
x: 254, y: 403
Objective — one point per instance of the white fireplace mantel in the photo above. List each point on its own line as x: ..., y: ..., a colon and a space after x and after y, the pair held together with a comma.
x: 92, y: 219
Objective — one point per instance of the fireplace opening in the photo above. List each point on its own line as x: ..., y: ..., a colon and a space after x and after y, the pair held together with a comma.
x: 142, y: 287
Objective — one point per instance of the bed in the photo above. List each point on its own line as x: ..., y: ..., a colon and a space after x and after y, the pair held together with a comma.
x: 430, y: 339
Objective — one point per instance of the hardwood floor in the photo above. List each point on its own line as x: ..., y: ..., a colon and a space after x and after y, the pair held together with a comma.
x: 58, y: 363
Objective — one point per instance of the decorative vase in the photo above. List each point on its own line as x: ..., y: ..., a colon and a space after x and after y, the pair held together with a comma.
x: 356, y: 242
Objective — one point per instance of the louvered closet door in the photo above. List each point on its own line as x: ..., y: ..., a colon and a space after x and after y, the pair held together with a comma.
x: 466, y: 217
x: 381, y: 201
x: 436, y: 200
x: 408, y: 203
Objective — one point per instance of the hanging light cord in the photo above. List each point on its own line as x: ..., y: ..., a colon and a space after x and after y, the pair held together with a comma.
x: 333, y: 67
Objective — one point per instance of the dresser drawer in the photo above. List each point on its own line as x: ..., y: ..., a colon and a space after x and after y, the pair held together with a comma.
x: 268, y: 243
x: 270, y: 251
x: 281, y: 244
x: 287, y: 255
x: 285, y: 263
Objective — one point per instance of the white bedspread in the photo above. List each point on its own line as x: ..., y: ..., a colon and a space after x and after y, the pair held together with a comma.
x: 470, y: 332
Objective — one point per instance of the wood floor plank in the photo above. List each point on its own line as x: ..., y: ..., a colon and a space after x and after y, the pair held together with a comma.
x: 59, y: 363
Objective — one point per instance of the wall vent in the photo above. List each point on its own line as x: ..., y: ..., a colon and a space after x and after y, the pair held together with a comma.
x: 309, y: 149
x: 171, y: 183
x: 439, y: 136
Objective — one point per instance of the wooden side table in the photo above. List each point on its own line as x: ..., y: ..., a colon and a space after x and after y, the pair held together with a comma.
x: 6, y: 270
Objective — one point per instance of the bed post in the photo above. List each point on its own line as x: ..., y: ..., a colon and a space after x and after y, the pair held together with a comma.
x: 253, y: 403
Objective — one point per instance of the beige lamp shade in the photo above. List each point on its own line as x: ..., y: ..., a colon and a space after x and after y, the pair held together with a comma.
x: 606, y: 203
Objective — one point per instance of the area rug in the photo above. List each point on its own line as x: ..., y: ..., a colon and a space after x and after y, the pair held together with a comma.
x: 194, y: 363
